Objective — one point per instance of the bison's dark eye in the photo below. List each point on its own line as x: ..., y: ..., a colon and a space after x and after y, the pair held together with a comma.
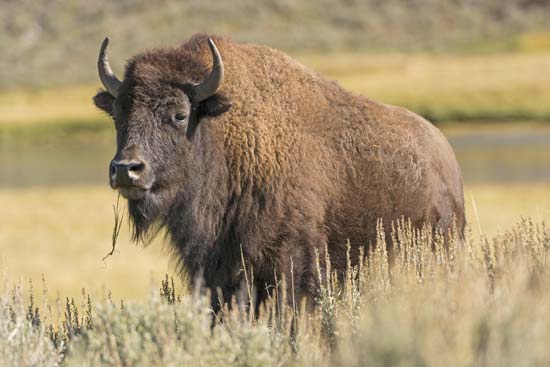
x: 179, y: 117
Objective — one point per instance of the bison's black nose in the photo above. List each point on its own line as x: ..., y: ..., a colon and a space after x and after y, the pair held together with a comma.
x: 126, y: 173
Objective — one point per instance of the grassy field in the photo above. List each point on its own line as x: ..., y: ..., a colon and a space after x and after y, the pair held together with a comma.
x: 63, y: 233
x: 501, y: 87
x: 483, y: 303
x: 458, y: 63
x: 492, y: 88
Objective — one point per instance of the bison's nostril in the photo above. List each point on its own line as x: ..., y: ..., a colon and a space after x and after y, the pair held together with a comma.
x: 137, y: 167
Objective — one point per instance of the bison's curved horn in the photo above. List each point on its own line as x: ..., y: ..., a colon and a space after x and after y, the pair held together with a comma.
x: 106, y: 75
x: 214, y: 80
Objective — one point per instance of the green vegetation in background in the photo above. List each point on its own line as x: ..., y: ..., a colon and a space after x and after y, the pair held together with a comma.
x: 45, y: 43
x: 449, y: 88
x: 443, y: 88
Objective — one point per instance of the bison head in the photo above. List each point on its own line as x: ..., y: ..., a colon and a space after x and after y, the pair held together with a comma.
x: 156, y: 110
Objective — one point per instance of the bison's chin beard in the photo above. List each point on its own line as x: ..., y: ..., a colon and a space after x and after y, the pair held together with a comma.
x: 145, y: 215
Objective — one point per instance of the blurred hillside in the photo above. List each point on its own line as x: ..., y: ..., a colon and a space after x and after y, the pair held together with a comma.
x: 53, y: 42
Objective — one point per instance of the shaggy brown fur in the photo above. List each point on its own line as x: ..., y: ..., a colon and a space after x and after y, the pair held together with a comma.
x: 282, y: 162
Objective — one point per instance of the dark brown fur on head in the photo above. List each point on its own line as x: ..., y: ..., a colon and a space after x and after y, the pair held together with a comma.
x: 277, y: 164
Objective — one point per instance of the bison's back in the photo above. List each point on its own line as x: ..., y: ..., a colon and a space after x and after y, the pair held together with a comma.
x: 352, y: 158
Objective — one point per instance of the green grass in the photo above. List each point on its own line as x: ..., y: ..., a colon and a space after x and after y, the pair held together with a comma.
x: 482, y: 302
x: 62, y: 106
x: 52, y: 44
x: 492, y: 88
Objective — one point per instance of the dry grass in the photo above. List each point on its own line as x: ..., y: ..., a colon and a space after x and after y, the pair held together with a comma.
x: 483, y: 302
x: 498, y: 208
x: 65, y: 232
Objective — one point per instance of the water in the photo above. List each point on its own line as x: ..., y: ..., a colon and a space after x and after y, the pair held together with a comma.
x: 63, y: 161
x: 503, y: 156
x: 485, y: 155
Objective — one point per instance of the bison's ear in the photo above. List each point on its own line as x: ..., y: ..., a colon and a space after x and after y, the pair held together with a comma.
x: 214, y: 105
x: 104, y: 101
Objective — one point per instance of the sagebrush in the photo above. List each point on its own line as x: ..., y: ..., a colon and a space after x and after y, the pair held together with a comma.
x: 483, y: 301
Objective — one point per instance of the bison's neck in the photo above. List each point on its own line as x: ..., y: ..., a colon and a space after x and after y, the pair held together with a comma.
x: 196, y: 220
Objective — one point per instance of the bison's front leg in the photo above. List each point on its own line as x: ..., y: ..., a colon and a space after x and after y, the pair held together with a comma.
x: 293, y: 276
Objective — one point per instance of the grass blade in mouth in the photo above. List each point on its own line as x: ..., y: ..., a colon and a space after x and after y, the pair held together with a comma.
x: 116, y: 228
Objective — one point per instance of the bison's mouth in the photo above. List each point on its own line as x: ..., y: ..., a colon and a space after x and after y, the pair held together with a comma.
x: 133, y: 178
x: 133, y: 192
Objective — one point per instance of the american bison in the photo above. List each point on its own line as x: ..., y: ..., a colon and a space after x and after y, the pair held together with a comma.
x: 240, y: 150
